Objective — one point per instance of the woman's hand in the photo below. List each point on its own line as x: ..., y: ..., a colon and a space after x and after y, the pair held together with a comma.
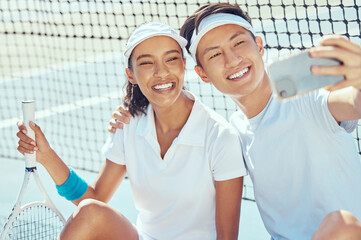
x: 28, y: 145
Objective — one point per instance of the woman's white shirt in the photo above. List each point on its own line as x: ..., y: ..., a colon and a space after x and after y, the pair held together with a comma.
x: 175, y: 195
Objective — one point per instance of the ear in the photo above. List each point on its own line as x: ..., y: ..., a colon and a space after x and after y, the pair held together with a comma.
x: 130, y: 76
x: 259, y: 43
x: 200, y: 71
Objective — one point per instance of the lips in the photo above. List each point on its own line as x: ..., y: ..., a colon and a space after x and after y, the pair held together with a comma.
x: 238, y: 74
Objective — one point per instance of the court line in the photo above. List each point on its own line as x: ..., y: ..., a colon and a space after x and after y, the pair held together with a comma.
x: 107, y: 56
x: 65, y: 107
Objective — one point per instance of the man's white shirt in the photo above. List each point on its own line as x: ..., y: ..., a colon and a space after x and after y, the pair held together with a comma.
x: 302, y: 163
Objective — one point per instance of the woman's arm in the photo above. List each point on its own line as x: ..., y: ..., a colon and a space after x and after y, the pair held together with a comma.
x: 105, y: 184
x: 107, y: 181
x: 228, y: 208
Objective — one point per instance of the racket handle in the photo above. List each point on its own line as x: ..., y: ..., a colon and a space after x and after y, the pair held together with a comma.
x: 29, y: 115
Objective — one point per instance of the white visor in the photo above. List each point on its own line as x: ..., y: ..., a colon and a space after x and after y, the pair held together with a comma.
x: 148, y: 30
x: 213, y: 21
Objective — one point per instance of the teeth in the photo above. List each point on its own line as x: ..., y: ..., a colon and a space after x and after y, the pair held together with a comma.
x: 239, y: 74
x: 163, y: 86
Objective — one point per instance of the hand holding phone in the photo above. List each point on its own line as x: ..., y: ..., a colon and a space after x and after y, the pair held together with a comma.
x: 291, y: 76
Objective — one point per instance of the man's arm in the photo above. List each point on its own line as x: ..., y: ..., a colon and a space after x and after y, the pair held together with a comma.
x: 344, y: 101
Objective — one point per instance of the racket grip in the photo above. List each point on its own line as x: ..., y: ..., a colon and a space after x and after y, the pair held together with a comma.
x: 29, y: 115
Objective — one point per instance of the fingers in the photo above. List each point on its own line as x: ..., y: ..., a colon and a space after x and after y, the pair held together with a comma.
x: 28, y: 145
x: 349, y: 53
x: 24, y: 147
x: 121, y: 117
x: 22, y: 133
x: 25, y: 144
x: 347, y: 57
x: 340, y: 41
x: 111, y: 129
x: 32, y: 125
x: 124, y: 111
x: 114, y: 125
x: 344, y: 84
x: 37, y: 130
x: 21, y: 127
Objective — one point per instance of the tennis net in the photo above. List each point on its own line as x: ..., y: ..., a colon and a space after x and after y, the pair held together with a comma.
x: 67, y: 55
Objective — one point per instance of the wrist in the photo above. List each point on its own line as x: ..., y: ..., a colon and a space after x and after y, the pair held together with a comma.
x: 46, y: 157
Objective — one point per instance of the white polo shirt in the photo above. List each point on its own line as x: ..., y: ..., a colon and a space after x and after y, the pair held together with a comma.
x: 175, y: 196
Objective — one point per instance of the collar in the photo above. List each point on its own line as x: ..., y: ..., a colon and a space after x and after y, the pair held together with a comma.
x: 193, y: 131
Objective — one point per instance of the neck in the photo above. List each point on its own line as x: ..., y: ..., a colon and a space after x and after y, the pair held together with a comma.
x: 252, y: 104
x: 174, y: 117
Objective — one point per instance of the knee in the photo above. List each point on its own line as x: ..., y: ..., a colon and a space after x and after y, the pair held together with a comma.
x: 339, y: 225
x: 84, y: 221
x: 89, y: 210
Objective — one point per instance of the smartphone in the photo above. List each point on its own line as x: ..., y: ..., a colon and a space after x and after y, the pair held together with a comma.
x: 291, y: 76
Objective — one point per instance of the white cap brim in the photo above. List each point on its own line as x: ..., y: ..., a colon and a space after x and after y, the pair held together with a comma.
x: 149, y: 30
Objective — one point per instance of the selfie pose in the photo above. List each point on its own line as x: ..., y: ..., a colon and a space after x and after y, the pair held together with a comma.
x: 183, y: 160
x: 300, y: 154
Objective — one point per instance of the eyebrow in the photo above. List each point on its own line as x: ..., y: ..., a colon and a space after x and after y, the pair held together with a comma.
x: 149, y: 55
x: 230, y: 39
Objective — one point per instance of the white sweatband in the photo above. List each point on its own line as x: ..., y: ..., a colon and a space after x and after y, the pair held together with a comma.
x: 212, y: 21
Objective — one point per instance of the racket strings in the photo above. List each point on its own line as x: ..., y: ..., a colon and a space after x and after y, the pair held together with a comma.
x: 36, y: 222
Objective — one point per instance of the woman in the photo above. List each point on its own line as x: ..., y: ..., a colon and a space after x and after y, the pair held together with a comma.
x: 182, y: 159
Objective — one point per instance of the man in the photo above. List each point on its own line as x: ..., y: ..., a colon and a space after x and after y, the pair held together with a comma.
x: 300, y: 155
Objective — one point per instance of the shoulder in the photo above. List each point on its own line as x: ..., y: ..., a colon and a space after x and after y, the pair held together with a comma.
x: 206, y: 118
x: 214, y: 120
x: 220, y: 135
x: 140, y: 122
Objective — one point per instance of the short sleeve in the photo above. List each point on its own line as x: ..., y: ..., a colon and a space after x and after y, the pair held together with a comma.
x: 113, y: 148
x: 226, y: 156
x: 316, y: 107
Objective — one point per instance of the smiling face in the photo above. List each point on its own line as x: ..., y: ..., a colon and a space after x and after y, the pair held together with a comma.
x: 158, y: 68
x: 231, y: 59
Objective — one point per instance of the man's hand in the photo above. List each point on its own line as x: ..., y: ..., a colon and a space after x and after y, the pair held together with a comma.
x: 121, y: 116
x: 342, y: 49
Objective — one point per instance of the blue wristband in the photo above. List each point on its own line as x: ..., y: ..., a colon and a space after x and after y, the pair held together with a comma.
x: 74, y: 187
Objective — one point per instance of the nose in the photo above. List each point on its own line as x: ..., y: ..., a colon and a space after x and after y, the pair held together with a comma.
x: 232, y: 58
x: 160, y: 70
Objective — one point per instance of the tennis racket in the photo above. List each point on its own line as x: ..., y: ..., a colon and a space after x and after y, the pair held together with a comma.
x: 35, y: 220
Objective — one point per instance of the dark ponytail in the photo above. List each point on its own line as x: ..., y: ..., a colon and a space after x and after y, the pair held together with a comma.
x: 134, y: 99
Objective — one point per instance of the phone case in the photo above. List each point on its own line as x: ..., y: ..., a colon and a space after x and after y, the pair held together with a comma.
x: 291, y: 76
